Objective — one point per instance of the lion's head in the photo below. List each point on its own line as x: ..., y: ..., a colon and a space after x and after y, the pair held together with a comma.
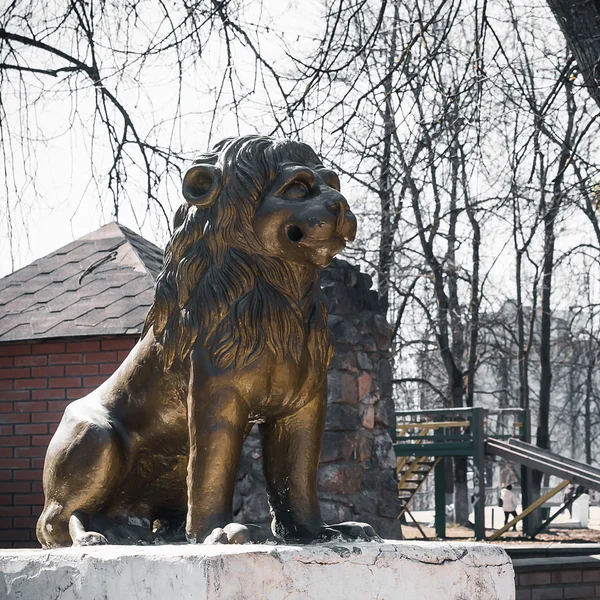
x: 240, y: 271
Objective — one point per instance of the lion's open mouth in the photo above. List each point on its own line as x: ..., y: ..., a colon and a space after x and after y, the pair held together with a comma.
x: 294, y: 233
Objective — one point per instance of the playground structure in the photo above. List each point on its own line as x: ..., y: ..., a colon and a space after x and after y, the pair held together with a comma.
x: 425, y: 437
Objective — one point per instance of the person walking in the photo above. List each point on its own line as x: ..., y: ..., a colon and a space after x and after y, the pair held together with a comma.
x: 509, y: 504
x: 569, y: 494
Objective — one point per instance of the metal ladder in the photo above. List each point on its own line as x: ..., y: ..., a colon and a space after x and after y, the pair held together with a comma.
x: 413, y: 470
x: 413, y: 473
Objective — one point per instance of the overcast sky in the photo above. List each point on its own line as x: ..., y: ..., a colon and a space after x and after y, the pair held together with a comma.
x: 52, y: 197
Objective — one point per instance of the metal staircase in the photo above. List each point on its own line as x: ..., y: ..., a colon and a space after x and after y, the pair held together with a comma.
x: 411, y: 476
x: 414, y: 466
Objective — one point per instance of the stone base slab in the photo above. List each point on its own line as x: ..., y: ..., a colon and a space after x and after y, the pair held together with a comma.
x: 334, y: 571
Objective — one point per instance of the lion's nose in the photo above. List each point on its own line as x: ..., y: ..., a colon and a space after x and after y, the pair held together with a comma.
x: 338, y: 207
x: 348, y: 230
x: 345, y: 221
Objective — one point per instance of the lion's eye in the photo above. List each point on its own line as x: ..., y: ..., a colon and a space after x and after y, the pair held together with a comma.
x: 297, y: 189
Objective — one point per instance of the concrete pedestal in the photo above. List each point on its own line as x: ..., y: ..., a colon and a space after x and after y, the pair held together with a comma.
x: 334, y: 571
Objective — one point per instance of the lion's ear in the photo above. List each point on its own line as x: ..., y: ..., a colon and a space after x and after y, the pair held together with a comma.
x: 201, y: 185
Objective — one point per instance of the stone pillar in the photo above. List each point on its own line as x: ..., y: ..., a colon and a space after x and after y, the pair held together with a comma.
x: 357, y: 479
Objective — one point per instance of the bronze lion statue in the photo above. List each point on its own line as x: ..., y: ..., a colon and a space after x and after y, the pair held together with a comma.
x: 237, y: 335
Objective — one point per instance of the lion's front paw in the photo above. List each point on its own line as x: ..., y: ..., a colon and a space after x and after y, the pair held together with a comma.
x: 233, y: 533
x: 218, y: 536
x: 90, y: 538
x: 348, y: 531
x: 237, y: 533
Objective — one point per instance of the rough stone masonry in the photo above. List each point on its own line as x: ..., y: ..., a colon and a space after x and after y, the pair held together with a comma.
x: 357, y: 473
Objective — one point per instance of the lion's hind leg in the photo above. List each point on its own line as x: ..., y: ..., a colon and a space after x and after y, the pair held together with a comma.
x: 84, y: 463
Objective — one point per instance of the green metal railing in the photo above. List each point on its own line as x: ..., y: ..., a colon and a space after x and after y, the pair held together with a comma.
x: 453, y: 432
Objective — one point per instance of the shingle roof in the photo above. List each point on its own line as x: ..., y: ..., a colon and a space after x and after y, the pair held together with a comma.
x: 100, y: 284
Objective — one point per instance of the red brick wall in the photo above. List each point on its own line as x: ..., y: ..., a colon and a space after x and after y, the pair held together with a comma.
x: 37, y: 381
x: 557, y: 578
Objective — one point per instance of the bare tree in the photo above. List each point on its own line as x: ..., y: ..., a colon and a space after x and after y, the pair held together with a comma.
x: 142, y: 85
x: 465, y: 136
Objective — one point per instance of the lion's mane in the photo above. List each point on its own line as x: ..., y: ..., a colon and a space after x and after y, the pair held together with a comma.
x: 217, y: 286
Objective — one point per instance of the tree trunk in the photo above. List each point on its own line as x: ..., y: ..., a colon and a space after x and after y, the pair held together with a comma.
x: 474, y: 302
x: 550, y: 214
x: 386, y: 245
x: 542, y: 434
x: 579, y: 21
x: 543, y: 424
x: 589, y: 389
x: 461, y: 489
x: 457, y: 389
x: 572, y: 391
x: 522, y: 351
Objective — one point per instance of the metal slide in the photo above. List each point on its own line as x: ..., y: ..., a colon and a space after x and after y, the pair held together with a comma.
x: 545, y: 461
